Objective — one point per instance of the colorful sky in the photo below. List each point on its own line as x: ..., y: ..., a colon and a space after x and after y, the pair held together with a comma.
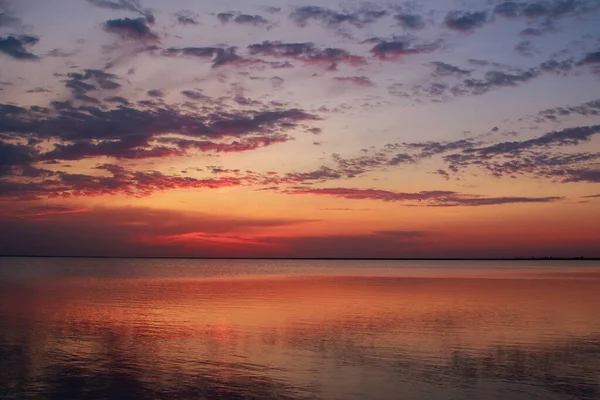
x: 293, y: 129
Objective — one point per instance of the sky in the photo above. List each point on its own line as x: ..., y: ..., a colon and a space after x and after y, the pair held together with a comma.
x: 300, y: 129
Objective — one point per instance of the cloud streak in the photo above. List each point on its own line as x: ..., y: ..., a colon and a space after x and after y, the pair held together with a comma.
x: 424, y: 198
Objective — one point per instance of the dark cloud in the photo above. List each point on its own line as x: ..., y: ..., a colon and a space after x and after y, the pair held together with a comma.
x: 225, y: 17
x: 425, y: 198
x: 16, y: 47
x: 581, y: 175
x: 355, y: 80
x: 129, y: 231
x: 117, y: 99
x: 117, y: 180
x: 128, y: 132
x: 306, y: 52
x: 124, y: 5
x: 565, y: 137
x: 80, y: 83
x: 395, y: 49
x: 155, y: 93
x: 525, y: 48
x: 236, y: 146
x: 194, y: 95
x: 508, y: 9
x: 391, y: 244
x: 242, y: 19
x: 131, y: 28
x: 443, y: 173
x: 591, y: 108
x: 543, y: 13
x: 493, y: 80
x: 14, y: 155
x: 531, y: 32
x: 556, y: 66
x: 7, y: 16
x: 130, y: 147
x: 402, y: 158
x: 410, y: 21
x: 465, y: 21
x: 187, y: 17
x: 218, y: 56
x: 38, y: 90
x: 443, y: 69
x: 429, y: 149
x: 61, y: 53
x: 537, y: 157
x: 333, y: 19
x: 591, y: 58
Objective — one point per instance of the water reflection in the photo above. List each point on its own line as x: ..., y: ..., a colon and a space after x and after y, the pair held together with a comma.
x: 172, y: 335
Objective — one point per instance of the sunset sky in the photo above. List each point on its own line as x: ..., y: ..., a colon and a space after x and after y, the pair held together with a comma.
x: 297, y: 129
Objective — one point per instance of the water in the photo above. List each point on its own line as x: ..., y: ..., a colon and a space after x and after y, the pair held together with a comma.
x: 345, y: 330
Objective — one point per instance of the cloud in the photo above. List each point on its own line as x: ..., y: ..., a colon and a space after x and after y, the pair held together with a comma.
x: 591, y: 58
x: 187, y: 17
x: 119, y: 181
x: 129, y: 28
x: 565, y: 137
x: 194, y: 95
x: 465, y: 21
x: 61, y: 53
x: 124, y: 5
x: 155, y: 93
x: 394, y: 49
x: 130, y: 147
x: 425, y: 198
x: 590, y: 108
x: 129, y: 231
x: 333, y: 19
x: 7, y: 16
x: 429, y: 149
x: 392, y: 244
x: 549, y: 10
x: 133, y: 133
x: 225, y: 17
x: 508, y: 9
x: 410, y: 21
x: 306, y: 52
x: 355, y: 80
x: 402, y: 158
x: 493, y: 80
x: 39, y: 90
x: 236, y: 146
x: 117, y: 99
x: 533, y: 156
x: 581, y: 175
x: 242, y: 19
x: 14, y: 155
x: 525, y: 48
x: 70, y: 123
x: 444, y: 69
x: 218, y: 56
x: 15, y: 47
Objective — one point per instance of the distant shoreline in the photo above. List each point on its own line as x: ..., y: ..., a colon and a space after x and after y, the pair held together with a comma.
x: 322, y: 258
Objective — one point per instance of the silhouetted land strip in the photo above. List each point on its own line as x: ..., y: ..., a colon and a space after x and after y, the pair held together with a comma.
x: 325, y: 258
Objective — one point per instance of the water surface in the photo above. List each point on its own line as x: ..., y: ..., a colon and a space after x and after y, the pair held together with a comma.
x: 207, y: 329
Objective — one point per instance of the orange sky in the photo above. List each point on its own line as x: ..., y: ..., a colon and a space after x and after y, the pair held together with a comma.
x: 154, y: 129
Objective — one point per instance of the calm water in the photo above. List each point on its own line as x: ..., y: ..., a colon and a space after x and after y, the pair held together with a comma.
x: 345, y: 330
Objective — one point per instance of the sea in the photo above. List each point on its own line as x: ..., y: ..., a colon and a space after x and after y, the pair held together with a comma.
x: 77, y: 328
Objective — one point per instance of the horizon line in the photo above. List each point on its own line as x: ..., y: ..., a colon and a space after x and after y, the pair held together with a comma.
x: 549, y: 258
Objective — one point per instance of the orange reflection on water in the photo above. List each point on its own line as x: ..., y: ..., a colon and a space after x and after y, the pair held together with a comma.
x: 335, y: 336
